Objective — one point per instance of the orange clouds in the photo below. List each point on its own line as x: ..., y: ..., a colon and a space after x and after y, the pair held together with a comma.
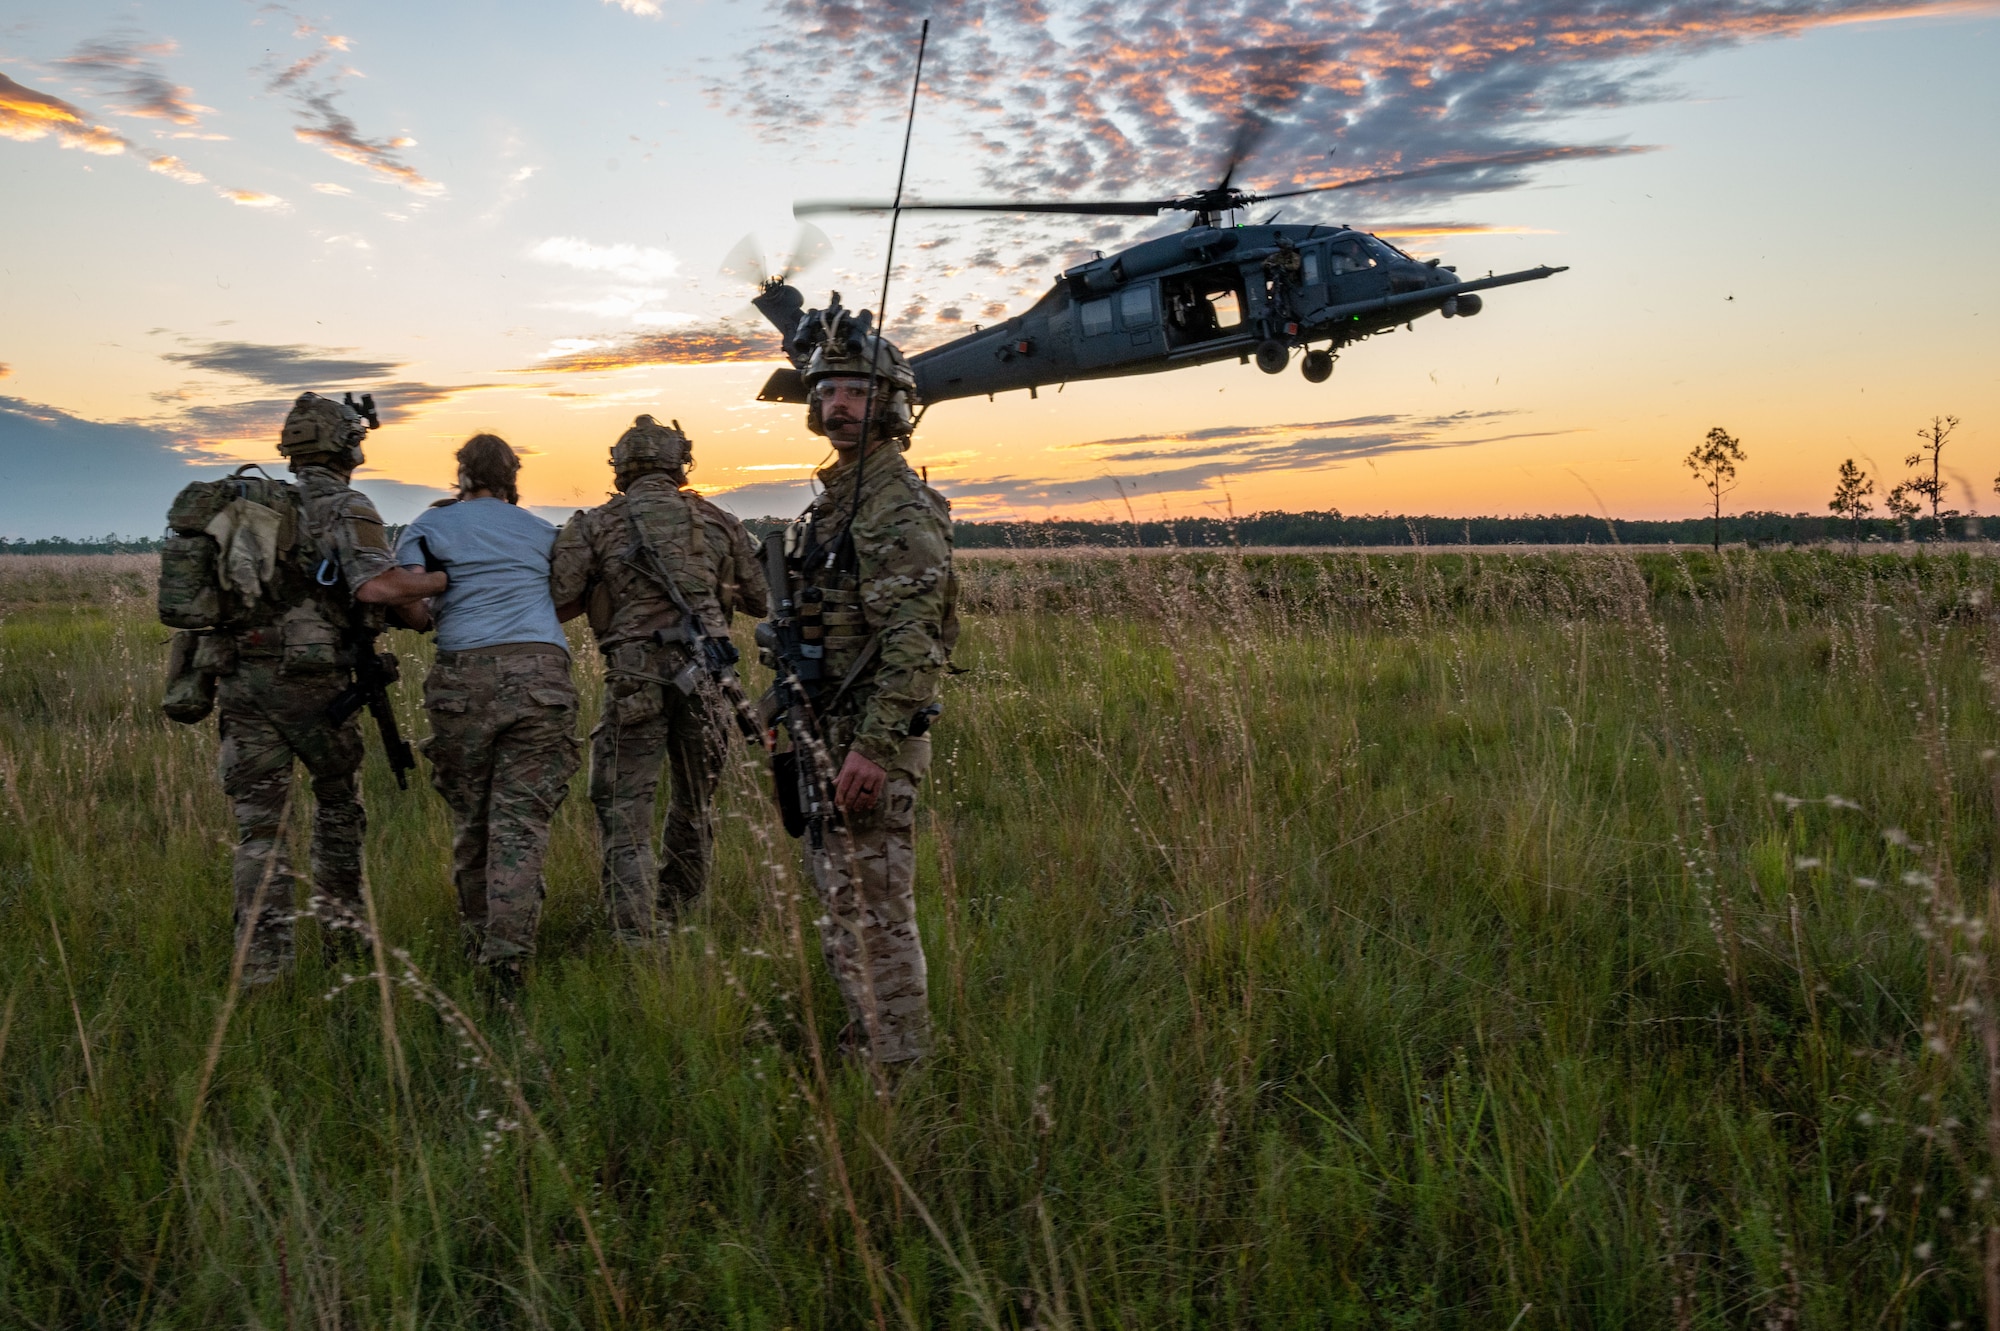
x: 252, y: 198
x: 715, y: 345
x: 173, y: 168
x: 27, y: 115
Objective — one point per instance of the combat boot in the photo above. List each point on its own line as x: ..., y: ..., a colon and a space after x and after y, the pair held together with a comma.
x: 503, y: 980
x: 262, y: 969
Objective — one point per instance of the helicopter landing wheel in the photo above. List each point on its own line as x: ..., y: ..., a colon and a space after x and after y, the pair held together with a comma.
x: 1273, y: 356
x: 1317, y: 366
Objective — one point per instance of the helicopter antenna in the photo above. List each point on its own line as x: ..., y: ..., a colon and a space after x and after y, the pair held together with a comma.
x: 882, y: 305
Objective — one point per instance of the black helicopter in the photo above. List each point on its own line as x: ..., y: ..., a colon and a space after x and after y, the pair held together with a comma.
x: 1213, y: 291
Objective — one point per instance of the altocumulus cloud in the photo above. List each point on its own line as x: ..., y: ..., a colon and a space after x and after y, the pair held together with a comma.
x: 1107, y: 98
x: 1116, y: 94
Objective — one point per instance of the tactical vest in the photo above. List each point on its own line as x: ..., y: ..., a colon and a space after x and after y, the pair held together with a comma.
x: 627, y: 603
x: 824, y: 573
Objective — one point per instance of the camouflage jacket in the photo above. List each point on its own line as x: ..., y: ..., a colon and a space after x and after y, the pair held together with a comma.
x: 341, y: 526
x: 896, y: 589
x: 706, y: 550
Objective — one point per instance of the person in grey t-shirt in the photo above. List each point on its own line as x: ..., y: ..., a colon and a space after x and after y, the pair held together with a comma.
x: 503, y: 743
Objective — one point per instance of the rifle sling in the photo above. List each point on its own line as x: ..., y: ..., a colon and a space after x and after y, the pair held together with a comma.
x: 868, y: 650
x: 650, y: 566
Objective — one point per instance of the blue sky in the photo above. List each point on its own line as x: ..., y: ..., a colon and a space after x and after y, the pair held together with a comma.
x: 456, y: 206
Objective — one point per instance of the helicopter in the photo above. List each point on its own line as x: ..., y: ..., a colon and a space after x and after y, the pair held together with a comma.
x: 1219, y: 289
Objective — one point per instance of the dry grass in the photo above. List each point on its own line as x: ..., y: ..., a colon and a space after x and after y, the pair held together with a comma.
x: 1316, y: 940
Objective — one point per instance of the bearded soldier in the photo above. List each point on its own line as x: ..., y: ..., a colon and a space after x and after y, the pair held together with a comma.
x: 280, y: 672
x: 659, y: 571
x: 869, y: 617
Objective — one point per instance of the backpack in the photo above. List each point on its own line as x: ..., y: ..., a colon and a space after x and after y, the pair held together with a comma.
x: 236, y: 556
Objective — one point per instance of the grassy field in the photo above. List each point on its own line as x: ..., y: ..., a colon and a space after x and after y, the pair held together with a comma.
x: 1572, y: 939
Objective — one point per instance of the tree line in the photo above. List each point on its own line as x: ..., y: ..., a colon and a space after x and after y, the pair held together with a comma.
x: 1917, y: 507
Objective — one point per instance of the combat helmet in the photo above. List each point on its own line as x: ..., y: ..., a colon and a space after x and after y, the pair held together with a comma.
x: 650, y: 446
x: 845, y: 345
x: 320, y: 430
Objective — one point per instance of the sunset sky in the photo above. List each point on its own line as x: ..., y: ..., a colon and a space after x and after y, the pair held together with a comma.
x: 1779, y: 217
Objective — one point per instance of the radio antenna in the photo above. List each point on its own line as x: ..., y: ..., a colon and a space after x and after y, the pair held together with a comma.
x: 882, y: 305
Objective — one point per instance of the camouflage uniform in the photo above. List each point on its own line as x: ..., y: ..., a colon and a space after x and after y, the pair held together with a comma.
x: 659, y: 705
x: 895, y: 590
x: 276, y: 681
x: 502, y: 749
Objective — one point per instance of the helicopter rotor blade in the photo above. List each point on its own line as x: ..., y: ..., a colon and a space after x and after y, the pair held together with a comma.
x: 746, y: 262
x: 1251, y: 131
x: 1524, y: 157
x: 1078, y: 208
x: 810, y: 247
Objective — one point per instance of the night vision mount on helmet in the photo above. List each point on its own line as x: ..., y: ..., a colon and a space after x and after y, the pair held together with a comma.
x: 650, y: 446
x: 1217, y: 290
x: 318, y: 429
x: 838, y: 343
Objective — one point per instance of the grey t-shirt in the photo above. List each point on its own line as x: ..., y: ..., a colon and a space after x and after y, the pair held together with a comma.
x: 497, y: 556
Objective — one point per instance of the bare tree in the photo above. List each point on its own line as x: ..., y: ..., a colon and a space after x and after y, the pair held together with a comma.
x: 1850, y: 495
x: 1930, y: 487
x: 1713, y: 462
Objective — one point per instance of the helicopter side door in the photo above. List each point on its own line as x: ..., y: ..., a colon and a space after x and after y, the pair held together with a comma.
x: 1122, y: 326
x: 1203, y: 306
x: 1096, y: 332
x: 1139, y: 317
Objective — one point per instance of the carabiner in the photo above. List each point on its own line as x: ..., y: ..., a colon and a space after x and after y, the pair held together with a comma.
x: 328, y: 574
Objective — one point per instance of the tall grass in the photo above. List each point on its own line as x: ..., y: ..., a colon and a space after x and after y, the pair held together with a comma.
x: 1435, y: 940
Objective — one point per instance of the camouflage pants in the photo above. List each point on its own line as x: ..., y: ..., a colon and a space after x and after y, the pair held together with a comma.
x: 268, y: 721
x: 866, y: 877
x: 502, y: 750
x: 647, y: 724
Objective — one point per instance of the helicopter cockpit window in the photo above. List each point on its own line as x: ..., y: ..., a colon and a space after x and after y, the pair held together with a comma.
x: 1382, y: 249
x: 1096, y: 315
x: 1309, y: 268
x: 1135, y: 307
x: 1348, y: 256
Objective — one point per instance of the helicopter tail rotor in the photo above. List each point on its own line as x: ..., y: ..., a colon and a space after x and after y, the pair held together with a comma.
x: 746, y: 261
x: 810, y: 248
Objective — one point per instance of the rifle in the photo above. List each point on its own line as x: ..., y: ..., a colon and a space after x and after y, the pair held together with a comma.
x: 374, y: 672
x: 805, y: 798
x: 715, y: 655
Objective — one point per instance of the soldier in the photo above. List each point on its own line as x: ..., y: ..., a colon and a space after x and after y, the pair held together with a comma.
x: 280, y: 675
x: 1284, y: 270
x: 639, y: 565
x: 871, y: 561
x: 502, y: 709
